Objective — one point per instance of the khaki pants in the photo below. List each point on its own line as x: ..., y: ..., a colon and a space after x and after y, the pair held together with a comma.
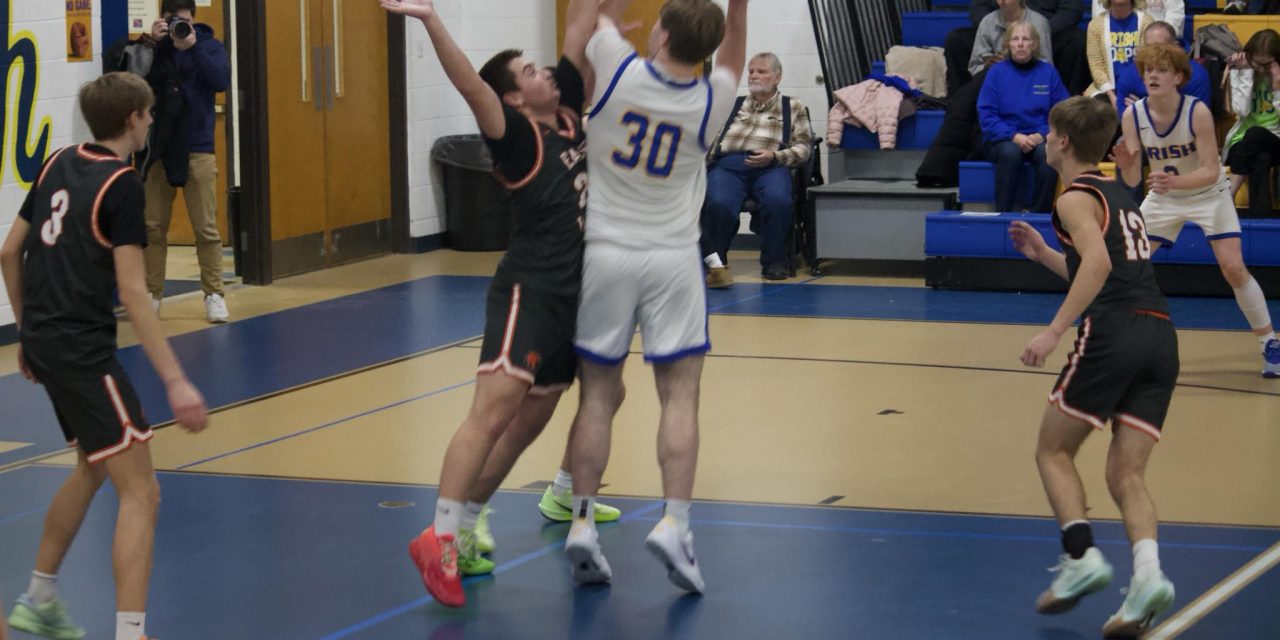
x: 201, y: 197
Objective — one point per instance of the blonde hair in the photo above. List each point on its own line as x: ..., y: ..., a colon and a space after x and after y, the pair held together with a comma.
x: 1008, y: 37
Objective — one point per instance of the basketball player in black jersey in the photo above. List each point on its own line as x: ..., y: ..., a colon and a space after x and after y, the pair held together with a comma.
x: 531, y: 120
x: 78, y: 237
x: 1122, y: 371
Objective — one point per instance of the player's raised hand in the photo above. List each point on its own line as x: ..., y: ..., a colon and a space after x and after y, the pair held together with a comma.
x: 1040, y: 348
x: 420, y: 9
x: 1027, y: 240
x: 1160, y: 182
x: 1123, y: 156
x: 188, y: 406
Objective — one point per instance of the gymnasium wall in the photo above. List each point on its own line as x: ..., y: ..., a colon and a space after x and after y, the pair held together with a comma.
x: 39, y: 99
x: 436, y: 109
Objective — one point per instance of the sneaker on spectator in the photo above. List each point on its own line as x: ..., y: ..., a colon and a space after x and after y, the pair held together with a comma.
x: 1234, y: 7
x: 776, y: 272
x: 215, y: 309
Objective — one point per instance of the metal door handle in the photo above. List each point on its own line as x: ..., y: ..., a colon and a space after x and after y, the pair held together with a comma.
x: 336, y: 86
x: 305, y: 51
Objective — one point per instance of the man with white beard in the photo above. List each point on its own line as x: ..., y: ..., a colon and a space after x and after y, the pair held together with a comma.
x: 766, y: 135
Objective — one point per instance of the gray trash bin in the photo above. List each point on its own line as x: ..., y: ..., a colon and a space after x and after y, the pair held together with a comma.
x: 477, y: 208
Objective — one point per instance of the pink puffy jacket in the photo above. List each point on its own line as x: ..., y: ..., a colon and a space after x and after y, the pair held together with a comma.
x: 869, y: 104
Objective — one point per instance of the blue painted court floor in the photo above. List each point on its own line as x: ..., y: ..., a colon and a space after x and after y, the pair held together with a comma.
x: 265, y: 558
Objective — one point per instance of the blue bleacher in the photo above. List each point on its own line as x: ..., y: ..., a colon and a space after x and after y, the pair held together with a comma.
x: 915, y: 132
x: 930, y: 29
x: 957, y: 234
x: 951, y: 4
x: 978, y: 182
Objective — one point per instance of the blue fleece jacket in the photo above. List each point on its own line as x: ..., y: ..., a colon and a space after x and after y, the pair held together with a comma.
x: 1017, y: 99
x: 1130, y: 83
x: 204, y: 71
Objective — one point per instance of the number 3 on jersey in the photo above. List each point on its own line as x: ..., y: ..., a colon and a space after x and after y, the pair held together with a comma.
x: 52, y: 228
x: 662, y: 145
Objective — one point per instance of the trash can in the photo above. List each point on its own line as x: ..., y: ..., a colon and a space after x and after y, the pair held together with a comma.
x: 477, y: 209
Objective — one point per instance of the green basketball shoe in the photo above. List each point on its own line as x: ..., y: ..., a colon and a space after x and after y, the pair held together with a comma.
x: 559, y: 508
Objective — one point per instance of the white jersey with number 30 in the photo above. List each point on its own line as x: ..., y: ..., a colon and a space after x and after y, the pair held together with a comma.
x: 647, y: 143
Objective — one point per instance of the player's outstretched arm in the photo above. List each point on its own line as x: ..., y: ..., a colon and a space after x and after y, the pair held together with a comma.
x: 11, y: 266
x: 579, y: 24
x: 1128, y: 153
x: 484, y: 103
x: 1031, y: 244
x: 1081, y: 217
x: 610, y: 13
x: 187, y: 403
x: 732, y: 55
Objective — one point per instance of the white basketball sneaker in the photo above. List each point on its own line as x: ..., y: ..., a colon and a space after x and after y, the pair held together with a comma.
x: 675, y: 550
x: 583, y: 548
x: 1076, y: 579
x: 1145, y: 601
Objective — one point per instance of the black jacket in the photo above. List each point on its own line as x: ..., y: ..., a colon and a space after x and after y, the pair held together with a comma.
x: 1062, y: 14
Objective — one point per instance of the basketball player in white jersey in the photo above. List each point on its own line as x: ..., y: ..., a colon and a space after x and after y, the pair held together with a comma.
x: 650, y: 127
x: 1187, y: 181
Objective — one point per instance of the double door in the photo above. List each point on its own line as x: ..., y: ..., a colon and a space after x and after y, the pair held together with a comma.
x: 328, y: 154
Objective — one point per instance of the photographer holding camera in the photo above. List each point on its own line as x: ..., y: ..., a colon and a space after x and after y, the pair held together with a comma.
x: 190, y: 67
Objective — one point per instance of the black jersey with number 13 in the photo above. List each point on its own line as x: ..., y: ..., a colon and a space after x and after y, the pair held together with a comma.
x: 1131, y: 285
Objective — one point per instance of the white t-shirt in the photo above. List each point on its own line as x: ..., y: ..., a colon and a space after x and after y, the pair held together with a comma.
x: 1172, y: 11
x: 647, y: 142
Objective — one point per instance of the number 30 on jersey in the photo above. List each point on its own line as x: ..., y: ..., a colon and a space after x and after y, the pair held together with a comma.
x: 661, y: 145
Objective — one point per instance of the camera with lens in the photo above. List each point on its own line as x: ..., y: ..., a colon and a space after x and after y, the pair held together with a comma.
x: 180, y: 28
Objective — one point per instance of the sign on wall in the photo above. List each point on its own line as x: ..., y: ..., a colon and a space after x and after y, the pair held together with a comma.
x: 79, y: 30
x: 141, y: 14
x: 19, y: 64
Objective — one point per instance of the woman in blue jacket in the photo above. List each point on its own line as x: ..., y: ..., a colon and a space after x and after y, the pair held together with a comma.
x: 1013, y: 110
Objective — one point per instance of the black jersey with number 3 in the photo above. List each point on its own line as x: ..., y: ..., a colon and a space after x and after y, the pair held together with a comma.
x: 85, y: 201
x: 1131, y: 285
x: 545, y: 171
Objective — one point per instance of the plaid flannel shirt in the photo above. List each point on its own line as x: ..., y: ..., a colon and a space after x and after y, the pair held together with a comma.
x: 759, y: 126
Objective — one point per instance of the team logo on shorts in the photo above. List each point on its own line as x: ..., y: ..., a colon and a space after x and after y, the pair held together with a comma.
x: 532, y: 360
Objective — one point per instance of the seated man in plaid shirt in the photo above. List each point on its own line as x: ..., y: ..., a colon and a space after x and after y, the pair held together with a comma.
x: 766, y: 135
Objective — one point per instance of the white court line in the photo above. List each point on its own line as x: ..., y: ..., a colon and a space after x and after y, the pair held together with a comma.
x: 1181, y: 621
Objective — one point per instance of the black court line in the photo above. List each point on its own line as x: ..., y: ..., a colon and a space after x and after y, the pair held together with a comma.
x: 956, y: 367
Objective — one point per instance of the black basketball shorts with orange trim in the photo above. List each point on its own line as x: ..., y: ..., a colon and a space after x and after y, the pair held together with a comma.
x: 528, y: 334
x: 99, y: 412
x: 1124, y: 367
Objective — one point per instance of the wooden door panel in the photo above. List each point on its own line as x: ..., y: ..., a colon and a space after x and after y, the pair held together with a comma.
x: 295, y: 138
x: 357, y: 129
x: 644, y: 12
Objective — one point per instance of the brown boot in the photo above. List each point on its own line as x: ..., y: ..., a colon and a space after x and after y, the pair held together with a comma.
x: 719, y: 277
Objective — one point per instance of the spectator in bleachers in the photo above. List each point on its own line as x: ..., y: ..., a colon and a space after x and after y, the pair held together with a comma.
x: 1173, y: 12
x: 754, y: 158
x: 1013, y: 109
x: 1253, y: 144
x: 1113, y: 42
x: 1236, y: 7
x: 1065, y: 40
x: 1130, y: 85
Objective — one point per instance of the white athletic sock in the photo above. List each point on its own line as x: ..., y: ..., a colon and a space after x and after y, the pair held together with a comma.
x: 1254, y: 304
x: 713, y: 261
x: 130, y: 625
x: 584, y: 508
x: 679, y: 511
x: 563, y: 483
x: 43, y: 588
x: 1263, y: 340
x: 1146, y: 558
x: 448, y: 516
x: 470, y: 514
